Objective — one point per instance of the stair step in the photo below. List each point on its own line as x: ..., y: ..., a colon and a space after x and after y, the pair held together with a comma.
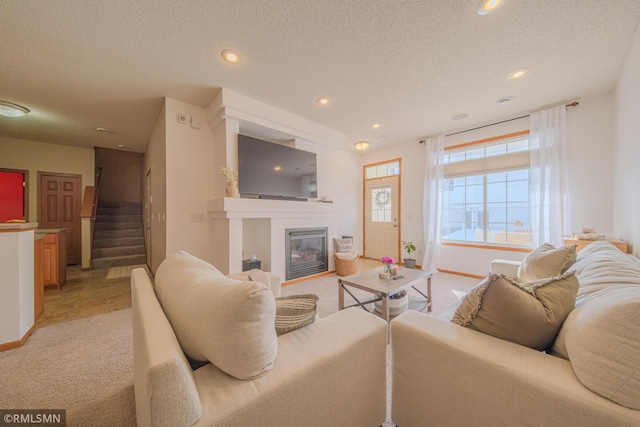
x: 117, y: 241
x: 116, y: 234
x: 118, y: 218
x: 118, y: 261
x: 120, y: 211
x: 117, y: 251
x: 117, y: 205
x: 136, y: 225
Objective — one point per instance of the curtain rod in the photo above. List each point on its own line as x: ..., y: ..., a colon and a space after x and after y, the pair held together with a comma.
x: 573, y: 104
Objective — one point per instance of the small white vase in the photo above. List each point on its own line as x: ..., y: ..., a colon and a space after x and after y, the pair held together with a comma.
x: 232, y: 189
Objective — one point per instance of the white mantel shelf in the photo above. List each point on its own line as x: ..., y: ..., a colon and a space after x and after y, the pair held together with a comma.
x: 237, y: 207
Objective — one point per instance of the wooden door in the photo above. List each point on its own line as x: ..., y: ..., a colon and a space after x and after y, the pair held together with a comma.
x: 59, y: 207
x: 381, y: 230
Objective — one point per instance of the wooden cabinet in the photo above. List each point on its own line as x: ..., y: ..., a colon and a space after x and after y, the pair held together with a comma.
x: 582, y: 243
x: 54, y: 259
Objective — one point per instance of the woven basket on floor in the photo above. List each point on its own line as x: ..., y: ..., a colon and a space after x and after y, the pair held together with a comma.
x: 346, y: 267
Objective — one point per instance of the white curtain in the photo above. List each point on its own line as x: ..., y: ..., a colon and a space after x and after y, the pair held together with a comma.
x: 432, y: 202
x: 549, y: 177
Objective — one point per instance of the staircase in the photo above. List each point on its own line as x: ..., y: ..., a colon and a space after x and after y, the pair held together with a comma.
x: 118, y: 238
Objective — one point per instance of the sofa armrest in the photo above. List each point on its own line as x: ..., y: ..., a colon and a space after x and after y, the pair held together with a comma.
x: 506, y: 267
x: 329, y: 373
x: 455, y: 376
x: 165, y: 390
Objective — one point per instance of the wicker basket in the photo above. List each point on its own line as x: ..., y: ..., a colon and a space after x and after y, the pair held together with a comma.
x: 346, y: 267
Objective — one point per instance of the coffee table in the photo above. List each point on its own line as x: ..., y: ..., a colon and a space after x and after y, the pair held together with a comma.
x: 382, y: 288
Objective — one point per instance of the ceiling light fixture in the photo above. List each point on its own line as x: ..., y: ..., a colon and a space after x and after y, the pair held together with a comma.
x: 362, y: 145
x: 9, y: 109
x: 460, y: 116
x: 505, y: 100
x: 375, y: 125
x: 488, y: 6
x: 121, y: 146
x: 517, y: 74
x: 322, y: 101
x: 103, y: 130
x: 230, y: 56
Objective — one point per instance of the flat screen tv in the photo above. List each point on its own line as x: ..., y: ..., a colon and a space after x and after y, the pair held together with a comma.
x: 274, y: 171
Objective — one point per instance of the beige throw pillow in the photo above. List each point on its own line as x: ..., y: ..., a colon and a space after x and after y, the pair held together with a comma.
x: 295, y: 311
x: 225, y: 321
x: 529, y: 314
x: 546, y: 261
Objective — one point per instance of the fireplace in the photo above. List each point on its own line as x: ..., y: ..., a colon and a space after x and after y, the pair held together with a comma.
x: 305, y: 251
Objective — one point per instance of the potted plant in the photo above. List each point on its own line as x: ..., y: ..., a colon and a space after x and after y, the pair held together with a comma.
x: 409, y: 247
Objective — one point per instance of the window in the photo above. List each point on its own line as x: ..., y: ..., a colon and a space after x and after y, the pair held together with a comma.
x: 486, y: 193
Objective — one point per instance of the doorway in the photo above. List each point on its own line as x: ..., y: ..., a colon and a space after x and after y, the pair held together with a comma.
x: 59, y: 201
x: 382, y: 210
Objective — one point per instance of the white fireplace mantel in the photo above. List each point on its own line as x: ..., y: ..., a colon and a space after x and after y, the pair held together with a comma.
x: 241, y: 227
x: 237, y: 207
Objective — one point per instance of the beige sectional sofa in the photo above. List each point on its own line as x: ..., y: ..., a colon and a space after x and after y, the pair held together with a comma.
x: 448, y: 375
x: 329, y: 373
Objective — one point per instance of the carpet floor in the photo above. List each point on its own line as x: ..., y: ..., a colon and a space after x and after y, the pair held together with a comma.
x: 86, y: 366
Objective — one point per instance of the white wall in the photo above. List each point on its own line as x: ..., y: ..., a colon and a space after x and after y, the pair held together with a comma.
x: 591, y: 142
x: 154, y: 162
x: 340, y: 179
x: 190, y: 179
x: 626, y: 204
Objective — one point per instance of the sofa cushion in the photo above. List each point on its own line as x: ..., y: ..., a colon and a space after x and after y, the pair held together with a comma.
x: 600, y: 338
x: 546, y: 261
x: 295, y: 311
x: 529, y: 314
x: 225, y: 321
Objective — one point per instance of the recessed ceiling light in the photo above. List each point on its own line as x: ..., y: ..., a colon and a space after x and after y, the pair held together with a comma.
x: 277, y: 168
x: 487, y: 6
x: 121, y: 146
x: 375, y: 125
x: 505, y: 100
x: 9, y: 109
x: 362, y: 145
x: 517, y: 74
x: 460, y: 116
x: 103, y: 130
x: 322, y: 101
x: 229, y: 56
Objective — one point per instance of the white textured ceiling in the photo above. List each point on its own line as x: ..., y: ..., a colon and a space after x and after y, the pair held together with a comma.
x: 408, y: 65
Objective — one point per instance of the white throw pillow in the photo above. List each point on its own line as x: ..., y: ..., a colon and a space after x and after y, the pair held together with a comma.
x: 225, y: 321
x: 601, y: 339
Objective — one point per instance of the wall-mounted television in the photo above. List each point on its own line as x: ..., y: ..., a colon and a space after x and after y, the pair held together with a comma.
x: 275, y: 171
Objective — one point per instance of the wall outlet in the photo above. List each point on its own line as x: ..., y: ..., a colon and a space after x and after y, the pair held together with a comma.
x: 197, y: 217
x: 182, y: 119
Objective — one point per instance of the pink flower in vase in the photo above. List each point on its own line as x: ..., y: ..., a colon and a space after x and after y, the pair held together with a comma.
x: 388, y: 261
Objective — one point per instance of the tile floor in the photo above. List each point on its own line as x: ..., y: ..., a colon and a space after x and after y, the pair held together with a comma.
x: 85, y: 294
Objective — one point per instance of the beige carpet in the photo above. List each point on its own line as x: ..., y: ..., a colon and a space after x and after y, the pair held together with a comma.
x: 84, y: 366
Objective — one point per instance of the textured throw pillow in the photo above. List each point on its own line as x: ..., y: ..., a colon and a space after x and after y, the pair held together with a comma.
x: 343, y: 245
x: 295, y: 311
x: 601, y: 339
x: 227, y: 322
x: 546, y: 261
x: 529, y: 314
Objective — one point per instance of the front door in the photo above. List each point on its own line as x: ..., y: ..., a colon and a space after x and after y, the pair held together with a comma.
x: 59, y: 207
x: 381, y: 231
